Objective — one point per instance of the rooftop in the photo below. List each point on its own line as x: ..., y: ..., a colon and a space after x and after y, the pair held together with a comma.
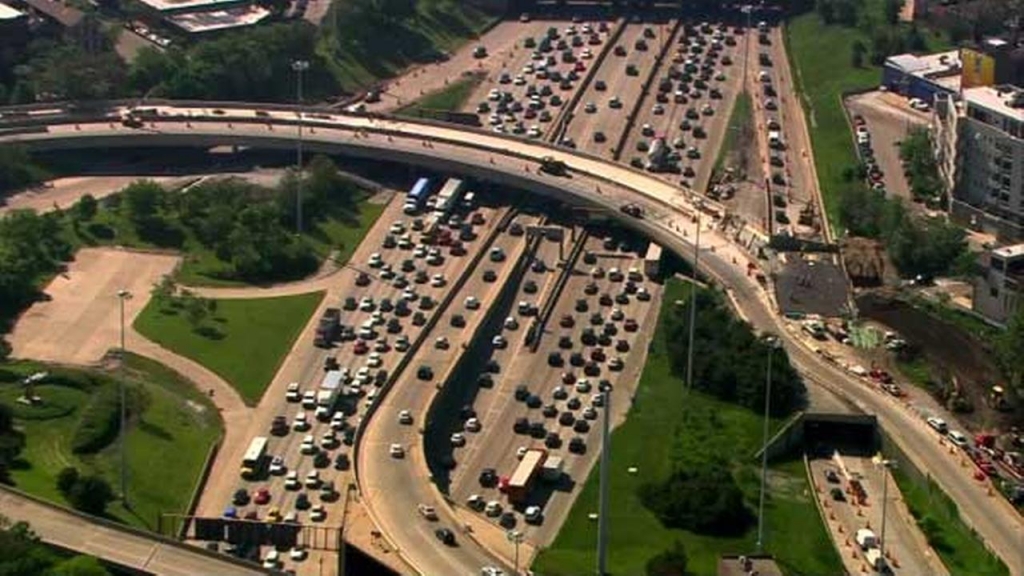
x: 8, y: 13
x: 1007, y: 252
x: 62, y: 13
x: 195, y: 22
x: 995, y: 99
x: 186, y: 5
x: 928, y: 65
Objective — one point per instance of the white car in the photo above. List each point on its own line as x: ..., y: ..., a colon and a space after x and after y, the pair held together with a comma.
x: 958, y: 438
x: 297, y: 554
x: 427, y: 512
x: 337, y: 421
x: 437, y: 281
x: 318, y: 513
x: 405, y: 417
x: 458, y: 439
x: 375, y: 261
x: 293, y: 394
x: 313, y: 479
x: 374, y: 360
x: 441, y: 343
x: 309, y: 399
x: 511, y: 324
x: 493, y: 508
x: 396, y: 451
x: 300, y: 423
x: 499, y: 342
x: 472, y: 425
x: 272, y: 560
x: 472, y: 303
x: 329, y: 440
x: 277, y: 466
x: 308, y: 445
x: 291, y: 480
x: 520, y: 452
x: 533, y: 514
x: 366, y: 304
x: 402, y: 344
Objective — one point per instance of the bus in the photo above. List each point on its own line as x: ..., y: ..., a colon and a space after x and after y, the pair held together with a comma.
x: 448, y: 197
x: 255, y: 458
x: 417, y: 195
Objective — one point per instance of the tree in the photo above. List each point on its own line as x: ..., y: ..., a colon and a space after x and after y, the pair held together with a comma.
x: 11, y: 441
x: 5, y: 350
x: 1010, y: 349
x: 196, y: 311
x: 164, y: 290
x: 91, y: 494
x: 857, y: 52
x: 892, y: 11
x: 86, y: 207
x: 66, y: 479
x: 671, y: 562
x: 143, y: 200
x: 706, y: 500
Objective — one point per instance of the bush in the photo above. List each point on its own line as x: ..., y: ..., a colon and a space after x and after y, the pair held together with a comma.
x: 91, y: 494
x: 706, y: 500
x: 671, y: 562
x: 98, y: 425
x: 66, y: 479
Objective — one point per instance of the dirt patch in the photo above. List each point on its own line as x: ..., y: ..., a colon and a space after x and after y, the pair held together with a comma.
x: 80, y: 319
x: 867, y: 263
x: 951, y: 351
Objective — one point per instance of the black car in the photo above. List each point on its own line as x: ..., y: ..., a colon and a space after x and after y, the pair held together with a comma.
x: 522, y: 392
x: 596, y: 319
x: 490, y: 276
x: 467, y: 412
x: 581, y: 426
x: 604, y: 339
x: 552, y: 440
x: 550, y: 411
x: 241, y: 497
x: 564, y: 342
x: 573, y: 403
x: 581, y: 305
x: 341, y: 461
x: 589, y: 258
x: 576, y: 359
x: 577, y: 445
x: 446, y: 536
x: 590, y: 289
x: 302, y: 501
x: 521, y: 426
x: 604, y: 385
x: 530, y: 287
x: 622, y: 346
x: 606, y: 299
x: 321, y: 459
x: 507, y: 520
x: 485, y: 381
x: 537, y: 429
x: 458, y: 320
x: 425, y: 373
x: 418, y: 319
x: 492, y: 366
x: 591, y: 369
x: 589, y: 338
x: 488, y: 477
x: 555, y: 359
x: 533, y: 401
x: 566, y: 419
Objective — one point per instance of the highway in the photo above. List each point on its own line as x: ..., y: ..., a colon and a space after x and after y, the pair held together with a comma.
x: 133, y: 549
x: 595, y: 182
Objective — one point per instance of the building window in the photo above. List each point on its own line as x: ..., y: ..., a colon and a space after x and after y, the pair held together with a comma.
x: 993, y: 292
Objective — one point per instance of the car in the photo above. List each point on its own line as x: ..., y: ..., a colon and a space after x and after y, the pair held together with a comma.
x: 329, y: 440
x: 490, y: 276
x: 318, y: 513
x: 837, y: 494
x: 446, y: 536
x: 297, y: 554
x: 555, y: 359
x: 405, y: 417
x: 241, y: 497
x: 533, y: 401
x: 425, y: 372
x: 341, y: 461
x: 831, y: 476
x: 272, y: 560
x: 958, y: 438
x: 552, y: 440
x: 577, y: 445
x: 493, y: 509
x: 312, y: 479
x: 300, y: 423
x: 566, y: 419
x: 293, y: 394
x: 396, y: 451
x: 488, y: 477
x: 521, y: 426
x: 472, y: 425
x: 458, y: 439
x: 277, y: 466
x: 533, y: 515
x: 291, y: 480
x: 560, y: 393
x: 427, y: 512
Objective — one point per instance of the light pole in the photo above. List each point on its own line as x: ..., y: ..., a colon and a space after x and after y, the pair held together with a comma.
x: 299, y: 66
x: 122, y: 296
x: 886, y: 465
x: 746, y: 8
x: 602, y: 510
x: 516, y: 538
x: 772, y: 343
x: 698, y: 205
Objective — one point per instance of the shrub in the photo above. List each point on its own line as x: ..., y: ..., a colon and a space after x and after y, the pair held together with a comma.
x: 706, y: 500
x: 671, y: 562
x: 66, y: 479
x: 91, y: 494
x: 98, y: 425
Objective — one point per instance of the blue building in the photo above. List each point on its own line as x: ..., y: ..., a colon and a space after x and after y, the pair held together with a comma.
x: 923, y: 77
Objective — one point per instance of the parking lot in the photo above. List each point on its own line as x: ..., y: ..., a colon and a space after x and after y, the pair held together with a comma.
x: 539, y: 76
x: 595, y: 339
x: 383, y: 315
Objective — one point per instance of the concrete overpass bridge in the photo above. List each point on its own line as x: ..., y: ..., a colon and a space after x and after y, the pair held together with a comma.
x: 668, y: 218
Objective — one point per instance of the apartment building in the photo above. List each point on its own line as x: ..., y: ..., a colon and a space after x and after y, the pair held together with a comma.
x: 987, y: 135
x: 997, y: 289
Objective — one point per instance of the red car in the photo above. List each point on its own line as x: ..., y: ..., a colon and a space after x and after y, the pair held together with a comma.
x: 360, y: 347
x: 568, y: 378
x: 631, y: 325
x: 597, y: 355
x: 567, y: 321
x: 580, y: 67
x: 262, y: 496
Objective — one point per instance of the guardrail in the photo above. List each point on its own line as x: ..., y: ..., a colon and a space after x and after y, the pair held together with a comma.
x: 563, y: 279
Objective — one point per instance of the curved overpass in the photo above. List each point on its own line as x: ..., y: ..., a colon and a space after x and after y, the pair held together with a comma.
x: 592, y: 181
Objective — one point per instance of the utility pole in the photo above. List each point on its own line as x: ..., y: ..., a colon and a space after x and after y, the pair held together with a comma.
x: 764, y: 446
x: 516, y: 538
x: 123, y: 295
x: 602, y: 510
x: 299, y: 66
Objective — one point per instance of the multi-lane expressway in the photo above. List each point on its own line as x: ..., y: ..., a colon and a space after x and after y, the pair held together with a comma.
x: 668, y: 218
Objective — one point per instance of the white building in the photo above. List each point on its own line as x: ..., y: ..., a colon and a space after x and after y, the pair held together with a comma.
x: 997, y: 290
x: 988, y: 184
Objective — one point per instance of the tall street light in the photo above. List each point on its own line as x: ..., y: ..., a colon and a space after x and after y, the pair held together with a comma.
x: 746, y: 9
x: 772, y: 342
x: 602, y: 509
x: 122, y: 296
x: 299, y: 66
x: 516, y: 538
x: 886, y: 466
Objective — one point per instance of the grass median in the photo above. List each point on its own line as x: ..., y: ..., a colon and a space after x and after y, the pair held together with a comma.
x: 168, y: 441
x: 666, y: 424
x: 244, y: 342
x: 451, y: 98
x: 959, y: 547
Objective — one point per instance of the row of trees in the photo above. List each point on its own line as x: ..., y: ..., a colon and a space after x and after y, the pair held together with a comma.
x: 22, y: 553
x: 32, y: 247
x: 729, y: 361
x: 920, y: 167
x: 17, y: 170
x: 927, y: 246
x: 12, y: 441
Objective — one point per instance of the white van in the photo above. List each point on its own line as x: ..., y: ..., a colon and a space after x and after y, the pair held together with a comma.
x: 938, y: 424
x: 866, y: 539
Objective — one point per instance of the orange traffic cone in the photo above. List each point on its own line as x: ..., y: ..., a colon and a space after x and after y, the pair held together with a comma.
x: 869, y: 525
x: 841, y: 530
x: 831, y: 515
x: 859, y: 512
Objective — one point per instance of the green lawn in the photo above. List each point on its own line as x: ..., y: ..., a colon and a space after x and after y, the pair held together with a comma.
x: 244, y: 343
x: 451, y: 98
x: 167, y: 446
x: 741, y: 121
x: 960, y: 549
x: 692, y: 429
x: 820, y: 56
x: 340, y: 233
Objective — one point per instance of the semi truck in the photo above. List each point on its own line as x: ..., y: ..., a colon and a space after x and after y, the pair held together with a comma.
x: 327, y: 395
x: 519, y: 485
x: 448, y: 197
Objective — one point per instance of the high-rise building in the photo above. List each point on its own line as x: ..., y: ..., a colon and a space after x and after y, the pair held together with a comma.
x: 988, y: 184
